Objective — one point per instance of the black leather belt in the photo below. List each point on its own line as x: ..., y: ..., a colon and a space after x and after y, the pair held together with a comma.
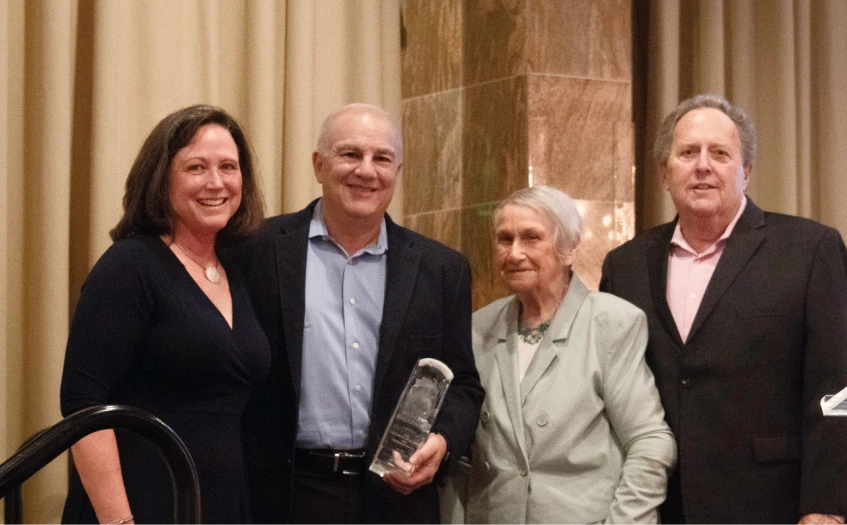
x: 326, y: 461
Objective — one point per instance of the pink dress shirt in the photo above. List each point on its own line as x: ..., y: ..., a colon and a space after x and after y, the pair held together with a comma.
x: 689, y: 274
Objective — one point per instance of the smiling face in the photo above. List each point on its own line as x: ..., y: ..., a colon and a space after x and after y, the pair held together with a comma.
x: 705, y: 172
x: 360, y: 168
x: 525, y: 251
x: 205, y: 183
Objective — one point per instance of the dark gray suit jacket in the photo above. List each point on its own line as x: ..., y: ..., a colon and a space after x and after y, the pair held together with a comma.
x: 742, y: 393
x: 427, y: 313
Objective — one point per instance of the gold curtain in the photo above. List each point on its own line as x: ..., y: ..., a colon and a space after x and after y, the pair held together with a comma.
x: 783, y: 61
x: 82, y: 82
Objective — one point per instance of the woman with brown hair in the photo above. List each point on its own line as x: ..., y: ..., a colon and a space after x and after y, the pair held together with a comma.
x: 164, y: 325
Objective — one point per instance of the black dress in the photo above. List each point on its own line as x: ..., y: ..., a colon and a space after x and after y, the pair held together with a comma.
x: 144, y: 334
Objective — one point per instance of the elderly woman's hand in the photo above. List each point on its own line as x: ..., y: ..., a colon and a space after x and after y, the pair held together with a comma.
x: 424, y: 464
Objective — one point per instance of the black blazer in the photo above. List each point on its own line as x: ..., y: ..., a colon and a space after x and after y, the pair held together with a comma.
x: 742, y: 394
x: 427, y: 313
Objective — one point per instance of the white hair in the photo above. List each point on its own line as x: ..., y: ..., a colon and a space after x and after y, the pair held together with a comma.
x: 555, y: 206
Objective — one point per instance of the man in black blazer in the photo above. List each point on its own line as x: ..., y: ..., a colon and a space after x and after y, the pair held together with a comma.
x: 748, y: 330
x: 350, y: 302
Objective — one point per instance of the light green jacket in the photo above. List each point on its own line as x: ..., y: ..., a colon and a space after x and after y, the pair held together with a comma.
x: 582, y: 438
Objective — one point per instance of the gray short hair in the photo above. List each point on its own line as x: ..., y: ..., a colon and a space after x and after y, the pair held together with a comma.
x: 742, y: 120
x: 555, y: 206
x: 357, y: 108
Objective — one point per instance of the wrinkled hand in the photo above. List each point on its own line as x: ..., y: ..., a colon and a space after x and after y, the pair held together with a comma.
x: 820, y: 518
x: 423, y: 465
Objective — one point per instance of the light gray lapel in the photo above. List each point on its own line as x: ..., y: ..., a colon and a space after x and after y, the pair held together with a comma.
x: 505, y: 353
x: 559, y: 329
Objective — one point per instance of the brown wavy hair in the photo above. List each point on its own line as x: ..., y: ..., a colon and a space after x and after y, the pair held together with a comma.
x: 147, y: 207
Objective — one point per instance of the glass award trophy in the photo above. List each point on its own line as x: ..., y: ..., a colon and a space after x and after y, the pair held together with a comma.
x: 835, y: 405
x: 413, y: 417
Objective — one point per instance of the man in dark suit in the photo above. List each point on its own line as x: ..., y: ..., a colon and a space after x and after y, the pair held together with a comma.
x: 748, y: 330
x: 350, y: 302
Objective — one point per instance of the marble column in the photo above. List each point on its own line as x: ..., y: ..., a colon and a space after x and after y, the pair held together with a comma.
x: 503, y: 94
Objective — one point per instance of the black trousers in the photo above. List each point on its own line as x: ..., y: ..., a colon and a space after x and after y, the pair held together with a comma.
x: 328, y: 498
x: 671, y: 510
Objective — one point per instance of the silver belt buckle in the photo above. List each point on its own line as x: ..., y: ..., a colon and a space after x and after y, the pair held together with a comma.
x: 338, y: 455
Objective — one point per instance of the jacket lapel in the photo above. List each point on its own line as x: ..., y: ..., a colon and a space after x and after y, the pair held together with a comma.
x: 505, y: 354
x: 401, y: 273
x: 740, y: 246
x: 558, y: 332
x: 290, y: 248
x: 657, y: 268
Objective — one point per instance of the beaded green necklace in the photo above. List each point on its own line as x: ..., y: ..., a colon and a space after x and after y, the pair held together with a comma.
x: 532, y: 336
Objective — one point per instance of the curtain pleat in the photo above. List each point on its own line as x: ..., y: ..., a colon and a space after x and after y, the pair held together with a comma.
x: 829, y: 120
x: 47, y: 123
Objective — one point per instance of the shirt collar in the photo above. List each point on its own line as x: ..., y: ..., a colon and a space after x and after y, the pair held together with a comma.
x: 317, y: 228
x: 679, y: 241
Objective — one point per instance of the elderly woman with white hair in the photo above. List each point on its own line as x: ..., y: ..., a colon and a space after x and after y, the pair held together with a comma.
x: 572, y: 429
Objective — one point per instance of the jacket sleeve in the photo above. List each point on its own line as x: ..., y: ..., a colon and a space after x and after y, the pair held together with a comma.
x: 824, y: 439
x: 637, y: 419
x: 460, y: 412
x: 111, y: 319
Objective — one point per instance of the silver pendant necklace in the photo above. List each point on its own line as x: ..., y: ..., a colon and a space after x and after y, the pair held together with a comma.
x: 212, y: 273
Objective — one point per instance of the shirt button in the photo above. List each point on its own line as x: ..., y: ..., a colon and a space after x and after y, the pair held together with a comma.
x: 355, y: 345
x: 352, y: 300
x: 685, y: 383
x: 542, y: 420
x: 693, y: 296
x: 358, y: 388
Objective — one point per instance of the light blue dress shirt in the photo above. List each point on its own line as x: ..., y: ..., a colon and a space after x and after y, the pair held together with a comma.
x: 344, y: 301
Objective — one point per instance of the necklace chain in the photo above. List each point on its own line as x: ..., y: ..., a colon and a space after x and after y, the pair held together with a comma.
x: 212, y: 273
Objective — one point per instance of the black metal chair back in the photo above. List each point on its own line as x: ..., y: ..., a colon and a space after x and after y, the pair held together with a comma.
x: 45, y: 446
